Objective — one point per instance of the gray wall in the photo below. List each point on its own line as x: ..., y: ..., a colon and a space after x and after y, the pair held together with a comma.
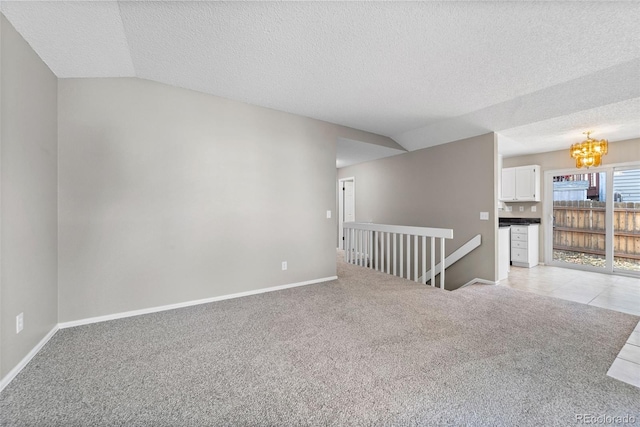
x: 619, y: 152
x: 446, y: 186
x: 28, y: 147
x: 168, y: 195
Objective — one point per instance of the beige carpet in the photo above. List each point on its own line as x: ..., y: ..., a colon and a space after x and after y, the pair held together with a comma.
x: 367, y: 349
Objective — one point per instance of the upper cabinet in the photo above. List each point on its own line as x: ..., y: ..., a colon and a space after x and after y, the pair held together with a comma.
x: 521, y: 184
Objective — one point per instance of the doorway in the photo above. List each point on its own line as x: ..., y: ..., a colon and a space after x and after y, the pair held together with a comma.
x: 595, y: 219
x: 346, y: 205
x: 580, y: 219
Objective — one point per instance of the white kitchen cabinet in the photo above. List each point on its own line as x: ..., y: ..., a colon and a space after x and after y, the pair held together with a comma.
x: 508, y: 184
x: 521, y: 184
x: 524, y: 245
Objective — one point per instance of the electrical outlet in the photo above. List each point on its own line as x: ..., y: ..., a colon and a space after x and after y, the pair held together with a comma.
x: 534, y: 208
x: 284, y: 265
x: 521, y: 208
x: 508, y: 208
x: 19, y: 322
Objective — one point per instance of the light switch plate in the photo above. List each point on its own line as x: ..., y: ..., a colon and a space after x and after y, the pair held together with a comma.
x: 328, y: 214
x: 484, y: 216
x: 521, y: 208
x: 534, y: 208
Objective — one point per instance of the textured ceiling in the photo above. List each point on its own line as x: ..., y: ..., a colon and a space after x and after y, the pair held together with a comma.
x: 75, y: 39
x: 621, y: 119
x: 422, y: 73
x: 350, y: 152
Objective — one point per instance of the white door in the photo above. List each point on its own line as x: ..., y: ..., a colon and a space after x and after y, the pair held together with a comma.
x: 349, y: 202
x: 347, y: 205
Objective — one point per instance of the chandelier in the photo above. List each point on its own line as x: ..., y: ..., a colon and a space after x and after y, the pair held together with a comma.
x: 589, y: 152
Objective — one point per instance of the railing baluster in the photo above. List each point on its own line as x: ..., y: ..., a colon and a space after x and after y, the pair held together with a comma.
x: 353, y: 246
x: 424, y: 260
x: 346, y: 244
x: 415, y: 258
x: 382, y: 251
x: 374, y: 254
x: 388, y: 252
x: 360, y: 248
x: 408, y: 256
x: 354, y: 255
x: 401, y: 255
x: 433, y: 261
x: 365, y: 248
x: 395, y: 250
x: 443, y: 259
x: 375, y: 250
x: 363, y: 245
x: 370, y: 246
x: 347, y: 249
x: 357, y: 249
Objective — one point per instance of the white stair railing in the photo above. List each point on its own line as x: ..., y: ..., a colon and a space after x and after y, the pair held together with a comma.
x: 381, y: 247
x: 458, y: 254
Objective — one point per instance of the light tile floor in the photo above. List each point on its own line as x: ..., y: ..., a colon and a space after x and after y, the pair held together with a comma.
x: 601, y: 290
x: 618, y: 293
x: 626, y: 367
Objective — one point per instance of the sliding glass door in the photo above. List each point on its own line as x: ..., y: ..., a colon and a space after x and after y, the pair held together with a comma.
x: 595, y: 219
x: 626, y: 220
x: 579, y: 219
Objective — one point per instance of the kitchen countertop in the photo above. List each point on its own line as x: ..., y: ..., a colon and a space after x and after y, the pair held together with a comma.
x: 507, y: 222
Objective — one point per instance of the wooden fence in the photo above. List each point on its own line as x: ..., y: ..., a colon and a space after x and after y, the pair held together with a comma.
x: 579, y: 226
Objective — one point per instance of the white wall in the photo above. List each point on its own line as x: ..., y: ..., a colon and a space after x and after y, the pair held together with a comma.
x: 168, y: 195
x: 28, y: 152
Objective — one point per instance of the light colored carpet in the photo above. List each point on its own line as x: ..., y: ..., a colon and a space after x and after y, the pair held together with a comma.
x: 367, y: 349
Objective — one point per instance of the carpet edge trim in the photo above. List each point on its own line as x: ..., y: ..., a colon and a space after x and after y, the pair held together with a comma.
x: 25, y: 360
x: 124, y: 314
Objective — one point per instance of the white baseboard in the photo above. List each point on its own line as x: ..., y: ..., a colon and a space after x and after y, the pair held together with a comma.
x: 477, y: 280
x: 122, y: 315
x: 16, y: 370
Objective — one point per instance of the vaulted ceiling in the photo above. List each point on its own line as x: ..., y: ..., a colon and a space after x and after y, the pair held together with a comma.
x: 422, y: 73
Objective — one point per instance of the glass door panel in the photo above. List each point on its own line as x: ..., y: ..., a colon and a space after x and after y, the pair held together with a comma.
x: 626, y: 220
x: 579, y: 219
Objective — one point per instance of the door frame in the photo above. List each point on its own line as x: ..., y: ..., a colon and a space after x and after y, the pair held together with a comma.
x: 341, y: 207
x: 609, y: 217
